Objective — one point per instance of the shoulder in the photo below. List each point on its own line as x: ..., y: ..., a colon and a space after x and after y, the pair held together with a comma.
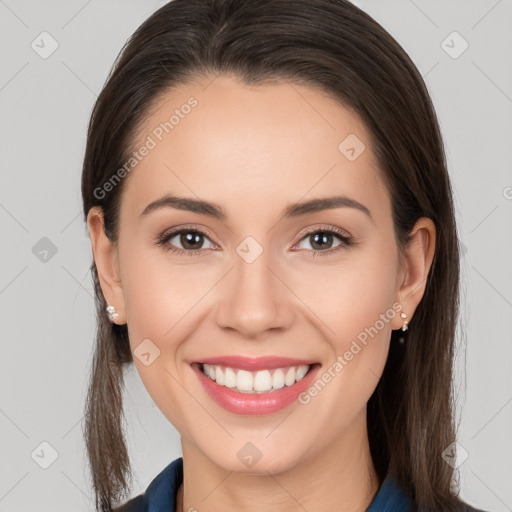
x: 392, y: 497
x: 160, y: 493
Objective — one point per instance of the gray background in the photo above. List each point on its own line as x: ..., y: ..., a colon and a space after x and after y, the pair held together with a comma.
x: 46, y: 301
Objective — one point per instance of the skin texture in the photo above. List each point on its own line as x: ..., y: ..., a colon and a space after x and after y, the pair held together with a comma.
x: 253, y: 150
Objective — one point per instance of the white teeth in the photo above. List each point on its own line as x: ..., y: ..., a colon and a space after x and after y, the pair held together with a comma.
x: 255, y: 382
x: 278, y: 379
x: 219, y: 376
x: 289, y: 378
x: 230, y: 378
x: 301, y: 371
x: 263, y: 381
x: 244, y: 380
x: 210, y: 372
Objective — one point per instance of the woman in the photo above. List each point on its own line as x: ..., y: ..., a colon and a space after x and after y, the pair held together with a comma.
x: 275, y: 250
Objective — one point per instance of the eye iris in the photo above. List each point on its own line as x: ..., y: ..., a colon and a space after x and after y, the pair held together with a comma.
x: 189, y: 238
x: 321, y: 237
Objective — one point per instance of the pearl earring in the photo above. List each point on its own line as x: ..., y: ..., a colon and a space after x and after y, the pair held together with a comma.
x: 111, y: 310
x: 404, y: 327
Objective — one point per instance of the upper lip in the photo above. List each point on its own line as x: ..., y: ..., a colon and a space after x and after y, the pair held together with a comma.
x: 255, y: 363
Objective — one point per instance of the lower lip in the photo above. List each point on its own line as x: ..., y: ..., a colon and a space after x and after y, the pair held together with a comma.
x: 255, y: 403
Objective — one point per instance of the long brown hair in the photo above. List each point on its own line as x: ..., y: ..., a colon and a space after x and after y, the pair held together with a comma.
x: 336, y: 47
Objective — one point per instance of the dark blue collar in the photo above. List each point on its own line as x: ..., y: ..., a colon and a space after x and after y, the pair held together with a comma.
x: 161, y: 493
x: 390, y: 498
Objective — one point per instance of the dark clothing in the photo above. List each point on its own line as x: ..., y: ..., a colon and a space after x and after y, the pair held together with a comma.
x: 160, y: 495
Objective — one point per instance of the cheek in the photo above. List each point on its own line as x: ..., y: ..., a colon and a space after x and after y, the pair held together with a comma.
x: 161, y: 300
x: 355, y: 305
x: 159, y: 293
x: 351, y: 295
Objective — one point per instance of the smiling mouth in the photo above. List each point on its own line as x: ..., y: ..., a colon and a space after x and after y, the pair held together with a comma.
x: 256, y: 382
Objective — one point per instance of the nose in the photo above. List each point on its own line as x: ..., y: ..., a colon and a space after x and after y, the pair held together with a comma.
x: 254, y: 299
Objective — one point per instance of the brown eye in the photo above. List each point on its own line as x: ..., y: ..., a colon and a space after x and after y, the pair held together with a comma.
x: 190, y: 240
x: 184, y: 241
x: 321, y: 240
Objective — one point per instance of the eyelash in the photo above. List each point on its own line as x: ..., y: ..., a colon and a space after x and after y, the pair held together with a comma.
x: 347, y: 241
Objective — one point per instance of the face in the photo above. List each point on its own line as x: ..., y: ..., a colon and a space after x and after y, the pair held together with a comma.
x: 258, y: 278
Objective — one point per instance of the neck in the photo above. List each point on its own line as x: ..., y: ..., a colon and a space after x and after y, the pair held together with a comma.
x: 341, y: 477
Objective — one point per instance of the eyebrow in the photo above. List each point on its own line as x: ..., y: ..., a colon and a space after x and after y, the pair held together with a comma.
x: 292, y: 210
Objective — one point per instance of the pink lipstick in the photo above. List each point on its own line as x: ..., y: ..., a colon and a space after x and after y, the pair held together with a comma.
x: 247, y: 385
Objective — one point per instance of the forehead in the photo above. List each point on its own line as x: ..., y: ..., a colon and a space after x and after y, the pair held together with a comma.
x: 252, y: 148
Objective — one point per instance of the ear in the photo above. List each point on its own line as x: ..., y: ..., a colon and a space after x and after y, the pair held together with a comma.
x: 107, y: 263
x: 417, y: 261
